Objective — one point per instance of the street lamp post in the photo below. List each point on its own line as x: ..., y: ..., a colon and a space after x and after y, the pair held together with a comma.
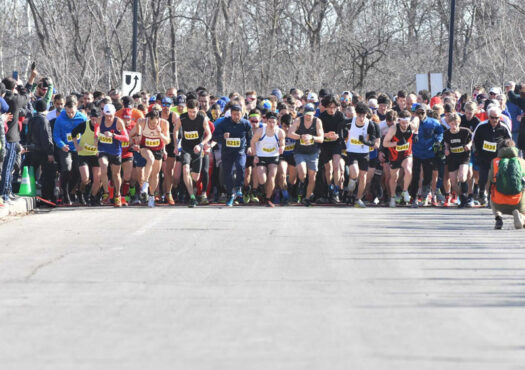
x: 451, y: 42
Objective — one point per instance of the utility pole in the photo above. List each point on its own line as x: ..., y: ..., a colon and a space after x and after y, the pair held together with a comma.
x: 451, y: 42
x: 135, y: 32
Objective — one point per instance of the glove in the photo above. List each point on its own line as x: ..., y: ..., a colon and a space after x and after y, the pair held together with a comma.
x: 367, y: 143
x: 415, y: 138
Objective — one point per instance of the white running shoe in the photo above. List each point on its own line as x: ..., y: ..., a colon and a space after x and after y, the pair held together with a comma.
x: 406, y: 196
x: 392, y: 203
x: 151, y: 201
x: 359, y: 204
x: 518, y: 219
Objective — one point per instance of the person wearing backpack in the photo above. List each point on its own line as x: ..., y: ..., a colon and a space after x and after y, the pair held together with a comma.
x: 507, y: 185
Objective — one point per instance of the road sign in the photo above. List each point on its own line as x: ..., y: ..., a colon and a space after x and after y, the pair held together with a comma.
x: 432, y: 82
x: 131, y: 83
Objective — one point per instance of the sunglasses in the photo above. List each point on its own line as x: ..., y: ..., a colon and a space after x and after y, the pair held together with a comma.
x: 420, y: 112
x: 166, y: 105
x: 493, y: 117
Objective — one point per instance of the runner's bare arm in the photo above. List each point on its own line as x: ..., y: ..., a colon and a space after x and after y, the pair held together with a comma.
x: 387, y: 141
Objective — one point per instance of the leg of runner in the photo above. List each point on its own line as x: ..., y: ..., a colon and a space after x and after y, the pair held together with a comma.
x: 84, y: 181
x: 103, y: 162
x: 282, y: 170
x: 95, y: 187
x: 353, y: 177
x: 205, y: 178
x: 270, y: 182
x: 240, y: 164
x: 117, y: 182
x: 447, y: 187
x: 301, y: 174
x: 338, y: 176
x: 462, y: 176
x: 262, y: 178
x: 154, y: 180
x: 248, y: 173
x: 148, y: 156
x: 407, y: 169
x: 227, y: 171
x: 127, y: 170
x: 394, y: 175
x: 311, y: 185
x: 361, y: 188
x: 169, y: 171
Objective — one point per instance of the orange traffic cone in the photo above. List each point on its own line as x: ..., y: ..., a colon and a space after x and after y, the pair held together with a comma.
x: 25, y: 186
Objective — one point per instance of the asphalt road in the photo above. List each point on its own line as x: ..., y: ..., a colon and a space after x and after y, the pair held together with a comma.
x: 258, y: 288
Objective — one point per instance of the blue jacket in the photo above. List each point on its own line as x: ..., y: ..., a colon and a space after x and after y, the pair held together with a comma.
x: 241, y: 131
x: 4, y: 107
x: 63, y: 127
x: 430, y: 132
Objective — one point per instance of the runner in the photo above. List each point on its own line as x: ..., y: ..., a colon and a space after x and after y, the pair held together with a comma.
x: 361, y: 137
x: 153, y: 136
x: 487, y: 136
x: 88, y: 157
x: 330, y: 157
x: 234, y: 133
x: 287, y: 173
x: 127, y: 153
x: 110, y: 134
x: 267, y: 144
x: 308, y: 133
x: 251, y: 183
x: 195, y: 136
x: 458, y: 145
x: 398, y: 140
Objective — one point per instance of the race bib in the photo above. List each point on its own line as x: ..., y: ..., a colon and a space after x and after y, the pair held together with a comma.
x: 152, y: 142
x: 327, y: 139
x: 125, y: 144
x: 403, y: 148
x: 269, y: 150
x: 106, y: 140
x: 458, y: 149
x: 70, y: 138
x: 355, y: 141
x: 311, y: 142
x: 372, y: 148
x: 191, y: 135
x: 90, y: 148
x: 233, y: 142
x: 489, y: 147
x: 289, y: 148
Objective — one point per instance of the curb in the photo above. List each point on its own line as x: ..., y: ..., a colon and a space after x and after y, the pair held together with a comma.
x: 18, y: 207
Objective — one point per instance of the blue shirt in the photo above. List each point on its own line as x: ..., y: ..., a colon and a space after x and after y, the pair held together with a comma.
x: 63, y: 127
x: 430, y: 132
x: 240, y: 135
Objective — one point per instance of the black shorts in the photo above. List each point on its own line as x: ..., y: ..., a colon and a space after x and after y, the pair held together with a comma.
x: 169, y: 149
x: 115, y: 160
x: 193, y: 160
x: 395, y: 165
x: 88, y: 160
x: 157, y: 154
x: 373, y: 163
x: 454, y: 163
x: 128, y: 159
x: 362, y: 160
x: 249, y: 161
x: 328, y: 151
x: 290, y: 159
x: 265, y: 161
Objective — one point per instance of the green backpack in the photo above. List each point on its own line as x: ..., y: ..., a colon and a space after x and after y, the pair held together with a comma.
x: 509, y: 180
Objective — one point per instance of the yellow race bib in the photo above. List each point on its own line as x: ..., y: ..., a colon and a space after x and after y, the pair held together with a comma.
x: 458, y: 149
x: 490, y: 147
x: 152, y: 142
x: 311, y: 142
x: 90, y: 148
x: 403, y: 148
x: 106, y: 140
x: 289, y: 148
x: 355, y: 141
x: 269, y: 150
x: 125, y: 144
x: 191, y: 135
x: 233, y: 142
x: 70, y: 138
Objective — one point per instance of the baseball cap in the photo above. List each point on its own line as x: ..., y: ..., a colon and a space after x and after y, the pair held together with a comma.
x: 236, y: 108
x: 109, y: 109
x: 324, y: 92
x: 40, y: 106
x: 495, y: 90
x: 266, y: 104
x: 309, y: 109
x: 167, y: 101
x: 94, y: 112
x: 312, y: 97
x: 372, y: 103
x: 277, y: 93
x: 181, y: 100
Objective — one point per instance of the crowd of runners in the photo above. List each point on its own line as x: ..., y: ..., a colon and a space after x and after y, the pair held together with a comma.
x: 297, y: 147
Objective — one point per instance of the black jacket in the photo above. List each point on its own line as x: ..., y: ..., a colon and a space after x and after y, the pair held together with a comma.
x: 16, y: 103
x: 40, y: 135
x: 486, y: 139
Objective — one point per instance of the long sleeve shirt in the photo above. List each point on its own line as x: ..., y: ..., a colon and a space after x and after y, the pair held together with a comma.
x: 239, y: 138
x: 63, y: 128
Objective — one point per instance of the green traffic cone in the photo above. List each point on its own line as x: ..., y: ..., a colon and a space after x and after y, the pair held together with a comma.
x: 25, y: 186
x: 32, y: 180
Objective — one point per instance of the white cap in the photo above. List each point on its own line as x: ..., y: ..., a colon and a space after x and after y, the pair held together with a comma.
x: 495, y: 90
x: 109, y: 109
x: 372, y: 103
x: 312, y: 97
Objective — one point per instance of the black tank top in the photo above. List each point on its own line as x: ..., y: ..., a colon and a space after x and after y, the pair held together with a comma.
x: 302, y: 147
x: 171, y: 146
x: 192, y: 131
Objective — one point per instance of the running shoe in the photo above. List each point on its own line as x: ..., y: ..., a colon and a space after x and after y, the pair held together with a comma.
x: 518, y: 219
x: 270, y: 204
x: 499, y: 223
x: 124, y: 201
x: 470, y: 203
x: 376, y: 201
x: 415, y: 204
x: 253, y: 198
x: 193, y: 202
x: 238, y: 196
x: 307, y: 202
x: 143, y: 196
x: 435, y: 202
x: 169, y: 199
x: 335, y: 197
x: 359, y: 204
x: 406, y: 196
x: 105, y: 198
x: 447, y: 202
x: 246, y: 198
x: 151, y: 201
x: 117, y: 202
x: 483, y: 200
x: 230, y: 201
x: 204, y: 200
x: 392, y: 203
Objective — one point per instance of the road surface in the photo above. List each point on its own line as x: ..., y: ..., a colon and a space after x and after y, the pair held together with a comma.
x: 258, y: 288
